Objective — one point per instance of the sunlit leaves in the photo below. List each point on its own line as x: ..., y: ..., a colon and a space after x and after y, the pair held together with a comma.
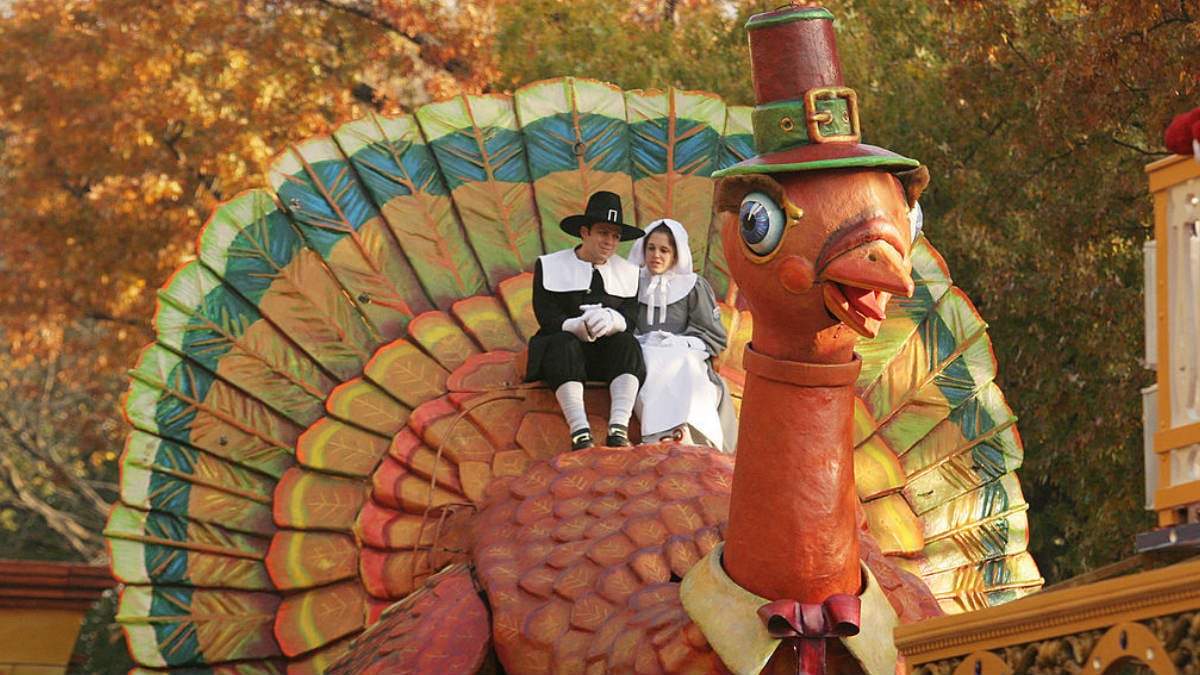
x: 1040, y: 205
x: 122, y: 124
x: 693, y: 44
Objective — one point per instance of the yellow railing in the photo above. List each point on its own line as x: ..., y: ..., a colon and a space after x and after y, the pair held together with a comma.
x: 1151, y: 619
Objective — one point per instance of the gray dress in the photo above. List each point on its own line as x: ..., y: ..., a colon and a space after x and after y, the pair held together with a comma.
x: 695, y: 316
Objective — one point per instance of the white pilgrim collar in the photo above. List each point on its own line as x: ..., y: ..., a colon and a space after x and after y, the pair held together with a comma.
x: 563, y: 271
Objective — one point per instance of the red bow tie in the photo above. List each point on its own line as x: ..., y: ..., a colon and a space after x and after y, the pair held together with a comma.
x: 811, y: 624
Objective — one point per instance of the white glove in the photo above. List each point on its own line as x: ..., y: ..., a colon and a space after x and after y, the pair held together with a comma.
x: 577, y: 327
x: 598, y: 321
x: 618, y: 321
x: 602, y: 321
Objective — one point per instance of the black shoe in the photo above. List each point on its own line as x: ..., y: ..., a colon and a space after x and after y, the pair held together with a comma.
x: 581, y: 439
x: 618, y: 436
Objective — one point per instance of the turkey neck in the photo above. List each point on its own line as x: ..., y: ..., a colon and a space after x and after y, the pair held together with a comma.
x: 792, y: 529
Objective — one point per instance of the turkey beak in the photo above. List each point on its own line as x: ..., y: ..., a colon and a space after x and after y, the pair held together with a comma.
x: 860, y: 278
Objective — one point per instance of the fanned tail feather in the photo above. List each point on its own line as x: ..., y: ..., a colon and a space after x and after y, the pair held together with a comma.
x: 162, y: 475
x: 253, y: 247
x: 577, y: 143
x: 236, y: 344
x: 316, y: 183
x: 937, y: 448
x: 176, y: 398
x: 677, y: 144
x: 399, y: 173
x: 163, y: 632
x: 476, y: 142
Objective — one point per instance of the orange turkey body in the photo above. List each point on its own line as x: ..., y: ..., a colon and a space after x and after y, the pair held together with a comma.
x: 581, y: 560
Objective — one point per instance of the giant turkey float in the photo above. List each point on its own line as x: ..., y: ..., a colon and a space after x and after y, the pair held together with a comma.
x: 336, y: 467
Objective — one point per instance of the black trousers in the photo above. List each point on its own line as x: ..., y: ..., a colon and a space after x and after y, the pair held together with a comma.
x: 565, y: 358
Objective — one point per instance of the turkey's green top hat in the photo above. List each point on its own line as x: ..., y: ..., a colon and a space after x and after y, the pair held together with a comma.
x: 806, y: 118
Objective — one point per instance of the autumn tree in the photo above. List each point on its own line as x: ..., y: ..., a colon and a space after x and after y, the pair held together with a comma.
x: 1037, y: 119
x: 1060, y: 105
x: 691, y: 44
x: 122, y: 124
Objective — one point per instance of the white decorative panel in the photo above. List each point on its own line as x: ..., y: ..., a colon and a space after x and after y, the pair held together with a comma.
x: 1183, y: 290
x: 1185, y: 464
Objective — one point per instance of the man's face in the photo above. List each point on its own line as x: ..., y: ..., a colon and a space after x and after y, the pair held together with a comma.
x: 599, y: 242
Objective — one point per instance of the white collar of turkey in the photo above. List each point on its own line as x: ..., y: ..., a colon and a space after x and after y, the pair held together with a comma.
x: 563, y: 271
x: 727, y: 615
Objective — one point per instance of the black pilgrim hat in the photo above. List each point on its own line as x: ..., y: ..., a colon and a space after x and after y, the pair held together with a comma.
x: 602, y: 207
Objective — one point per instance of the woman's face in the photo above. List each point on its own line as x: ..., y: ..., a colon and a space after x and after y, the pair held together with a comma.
x: 659, y: 254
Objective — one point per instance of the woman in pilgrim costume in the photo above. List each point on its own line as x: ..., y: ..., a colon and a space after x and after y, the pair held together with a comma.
x: 679, y: 327
x: 585, y: 301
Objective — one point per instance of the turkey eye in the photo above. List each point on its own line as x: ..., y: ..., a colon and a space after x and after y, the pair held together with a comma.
x: 762, y: 223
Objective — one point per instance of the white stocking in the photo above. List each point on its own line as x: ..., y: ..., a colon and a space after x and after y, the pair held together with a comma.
x: 570, y: 399
x: 623, y: 391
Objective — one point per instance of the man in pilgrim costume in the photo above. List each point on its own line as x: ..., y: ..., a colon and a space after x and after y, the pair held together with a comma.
x: 585, y: 301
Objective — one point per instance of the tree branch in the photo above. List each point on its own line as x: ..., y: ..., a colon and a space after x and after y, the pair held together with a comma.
x: 171, y: 136
x: 669, y: 8
x: 59, y: 474
x: 78, y: 188
x: 83, y: 540
x: 98, y: 315
x: 1136, y: 148
x: 365, y: 9
x: 987, y: 135
x: 1185, y: 19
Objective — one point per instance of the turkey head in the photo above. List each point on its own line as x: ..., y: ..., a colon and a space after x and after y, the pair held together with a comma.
x: 817, y: 254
